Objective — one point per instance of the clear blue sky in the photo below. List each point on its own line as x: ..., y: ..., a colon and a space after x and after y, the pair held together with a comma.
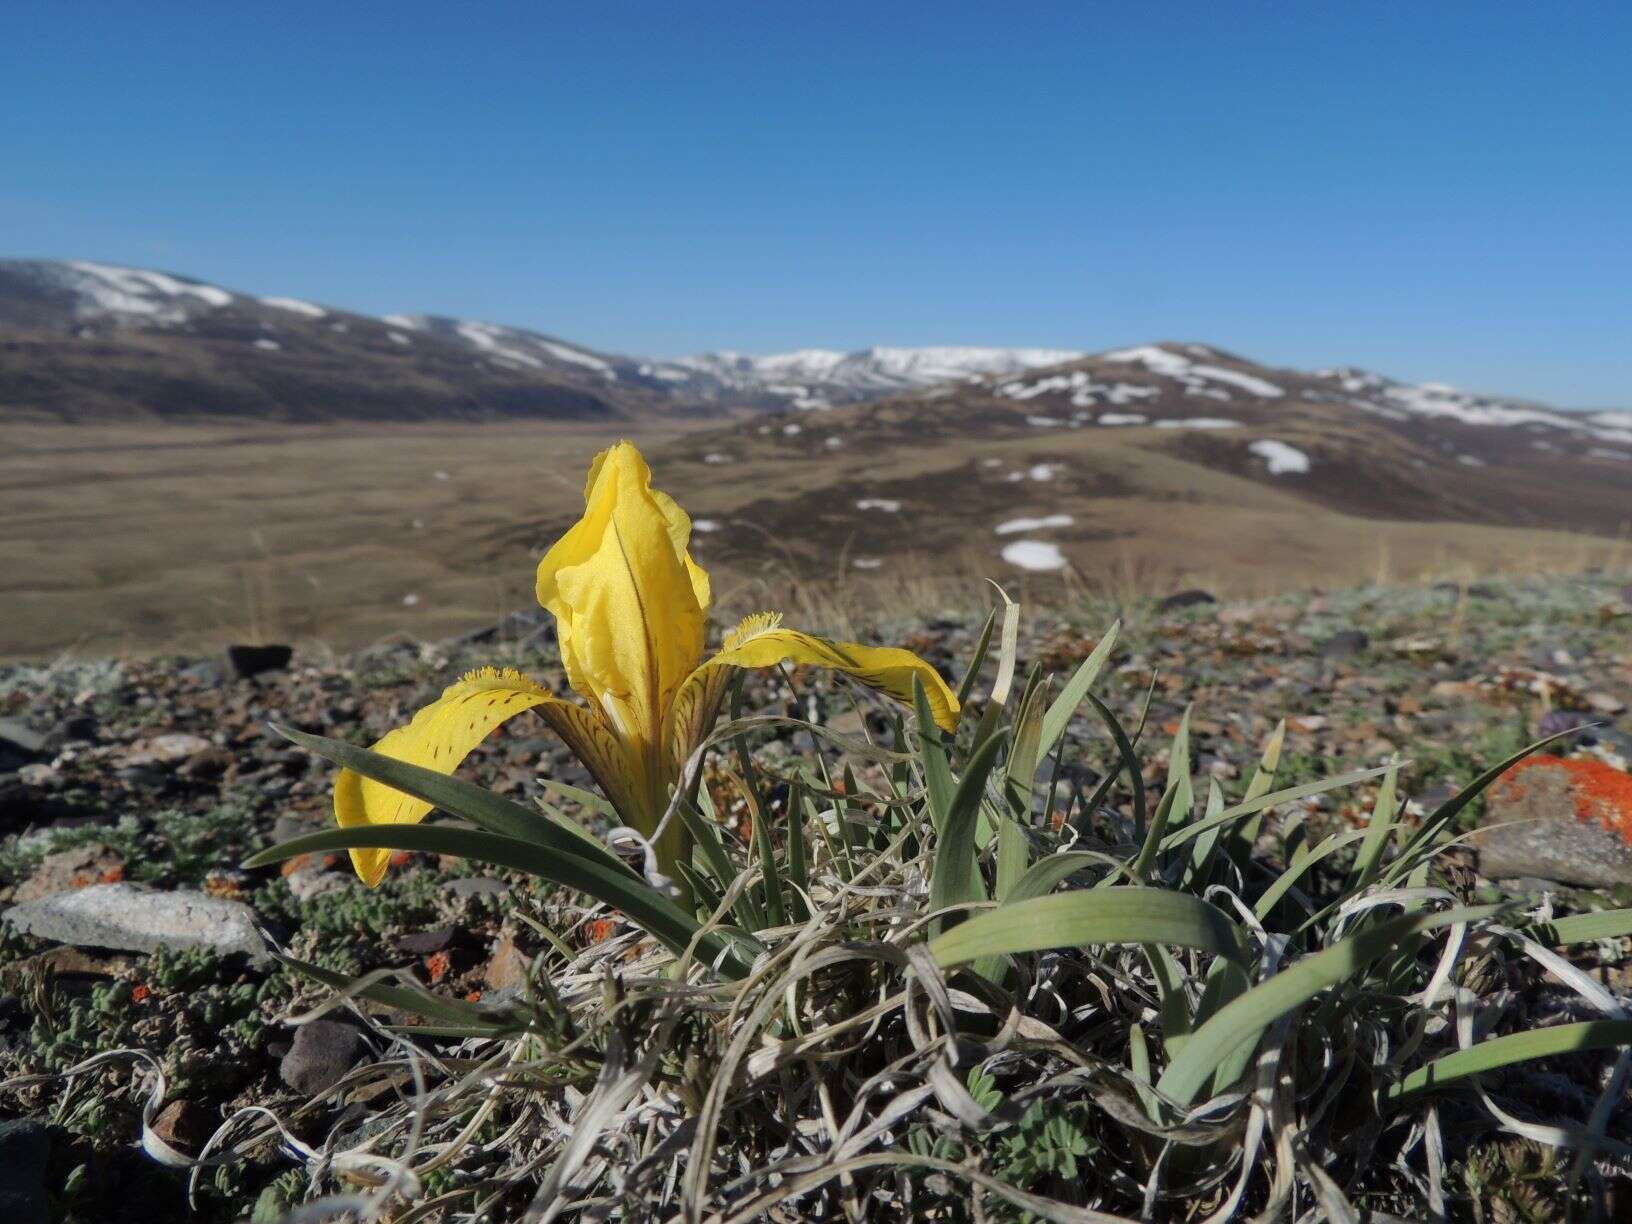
x: 1433, y: 190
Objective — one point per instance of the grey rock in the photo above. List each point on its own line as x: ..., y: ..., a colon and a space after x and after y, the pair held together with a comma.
x: 309, y: 882
x: 19, y: 735
x: 323, y: 1051
x: 1531, y: 830
x: 1345, y: 644
x: 477, y: 886
x: 132, y: 918
x: 25, y: 1147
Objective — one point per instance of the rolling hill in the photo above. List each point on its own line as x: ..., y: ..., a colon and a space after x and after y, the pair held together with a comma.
x: 81, y: 340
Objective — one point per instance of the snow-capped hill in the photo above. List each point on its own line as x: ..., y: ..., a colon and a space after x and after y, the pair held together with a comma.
x: 1440, y: 401
x: 822, y: 378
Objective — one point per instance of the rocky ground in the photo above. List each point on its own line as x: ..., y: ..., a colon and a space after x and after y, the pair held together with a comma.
x: 130, y: 791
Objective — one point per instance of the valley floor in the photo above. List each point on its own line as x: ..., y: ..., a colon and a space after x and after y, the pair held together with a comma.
x: 122, y: 539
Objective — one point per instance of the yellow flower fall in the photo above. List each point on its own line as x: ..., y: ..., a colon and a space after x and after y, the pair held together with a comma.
x: 631, y: 608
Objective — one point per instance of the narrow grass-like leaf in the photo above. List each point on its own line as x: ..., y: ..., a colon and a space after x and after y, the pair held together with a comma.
x: 1020, y: 770
x: 634, y: 898
x: 1370, y: 859
x: 1302, y: 861
x: 1264, y: 802
x: 1139, y: 1064
x: 1501, y: 1052
x: 955, y: 877
x: 1130, y: 762
x: 457, y: 797
x: 1046, y: 874
x: 798, y: 857
x: 705, y: 836
x: 1060, y: 713
x: 1146, y: 862
x: 932, y: 758
x: 1198, y: 871
x: 1245, y: 1019
x: 978, y: 661
x: 1241, y: 839
x: 406, y: 999
x: 1083, y: 918
x: 1582, y: 928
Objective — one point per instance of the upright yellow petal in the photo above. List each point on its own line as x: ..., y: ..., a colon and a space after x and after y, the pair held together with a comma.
x: 629, y: 602
x: 439, y: 737
x: 761, y: 641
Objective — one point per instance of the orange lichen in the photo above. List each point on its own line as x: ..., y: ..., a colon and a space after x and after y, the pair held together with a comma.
x: 139, y: 993
x: 437, y: 965
x: 1598, y: 792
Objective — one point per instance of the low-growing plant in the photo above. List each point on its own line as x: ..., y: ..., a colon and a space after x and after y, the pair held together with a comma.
x: 908, y: 963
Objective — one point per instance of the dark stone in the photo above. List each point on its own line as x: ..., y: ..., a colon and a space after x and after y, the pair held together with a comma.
x: 249, y: 661
x: 1345, y: 644
x: 322, y: 1052
x: 184, y: 1125
x: 1193, y: 598
x: 1556, y: 721
x: 76, y: 728
x: 25, y: 1146
x: 423, y: 943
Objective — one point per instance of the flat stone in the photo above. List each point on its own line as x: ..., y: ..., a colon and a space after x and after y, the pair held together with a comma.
x: 165, y: 749
x: 1193, y: 598
x: 507, y: 966
x: 21, y: 736
x: 322, y: 1052
x: 1345, y: 644
x: 25, y: 1147
x: 133, y: 918
x: 65, y: 870
x: 1557, y: 819
x: 477, y: 886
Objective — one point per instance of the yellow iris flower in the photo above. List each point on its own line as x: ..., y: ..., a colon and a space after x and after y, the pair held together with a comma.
x: 630, y: 607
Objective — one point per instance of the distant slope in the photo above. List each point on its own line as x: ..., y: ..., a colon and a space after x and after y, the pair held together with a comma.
x: 1051, y: 469
x: 84, y: 340
x: 91, y: 340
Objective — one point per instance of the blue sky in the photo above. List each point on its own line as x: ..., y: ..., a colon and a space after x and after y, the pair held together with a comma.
x: 1431, y: 190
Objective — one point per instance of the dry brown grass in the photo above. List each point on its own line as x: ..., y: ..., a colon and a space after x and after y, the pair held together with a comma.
x: 142, y: 538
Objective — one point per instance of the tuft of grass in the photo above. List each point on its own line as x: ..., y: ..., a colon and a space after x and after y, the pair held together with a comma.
x: 925, y: 976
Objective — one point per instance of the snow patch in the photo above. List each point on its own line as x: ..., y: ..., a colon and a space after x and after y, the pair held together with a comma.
x: 1282, y: 459
x: 107, y: 289
x: 1122, y: 418
x: 1045, y: 471
x: 887, y: 504
x: 1194, y: 376
x: 1198, y: 423
x: 705, y: 525
x: 295, y: 306
x: 270, y: 346
x: 406, y: 322
x: 867, y: 563
x: 1034, y: 524
x: 487, y: 337
x: 398, y: 338
x: 1034, y: 555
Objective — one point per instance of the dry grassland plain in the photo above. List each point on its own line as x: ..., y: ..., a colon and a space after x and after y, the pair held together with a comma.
x: 131, y: 539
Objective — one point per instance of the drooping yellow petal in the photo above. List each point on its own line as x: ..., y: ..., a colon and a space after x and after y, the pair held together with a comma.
x: 629, y: 602
x: 761, y: 641
x: 439, y: 737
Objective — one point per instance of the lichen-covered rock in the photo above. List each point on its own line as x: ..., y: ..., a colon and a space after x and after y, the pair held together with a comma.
x: 1563, y: 820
